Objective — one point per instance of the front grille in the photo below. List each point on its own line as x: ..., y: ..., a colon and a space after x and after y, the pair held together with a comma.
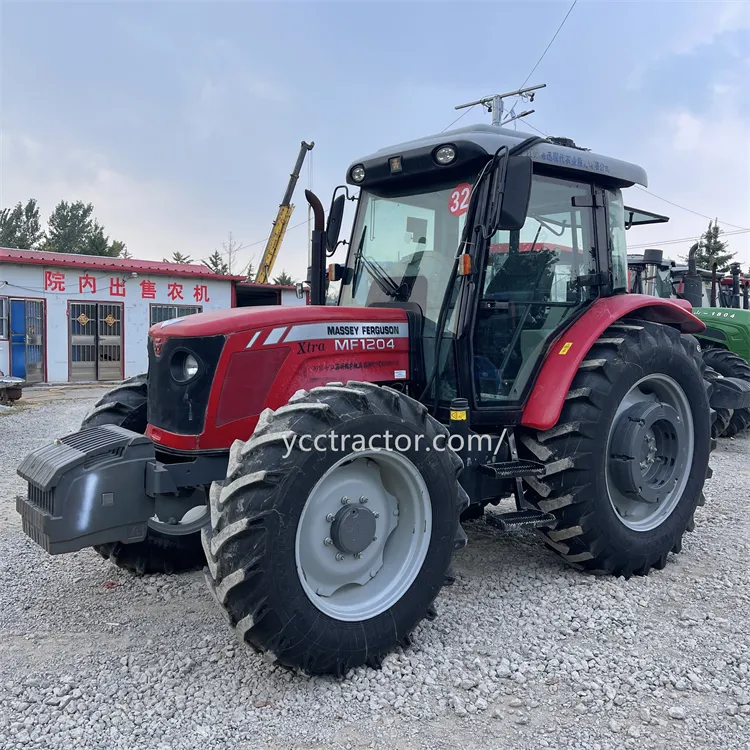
x: 181, y: 407
x: 43, y: 500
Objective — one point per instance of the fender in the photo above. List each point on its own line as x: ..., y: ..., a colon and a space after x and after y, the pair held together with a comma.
x: 568, y: 350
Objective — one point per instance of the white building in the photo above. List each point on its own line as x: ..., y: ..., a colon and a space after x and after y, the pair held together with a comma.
x: 67, y: 318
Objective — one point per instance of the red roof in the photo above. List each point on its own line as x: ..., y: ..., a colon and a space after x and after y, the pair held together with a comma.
x: 126, y: 265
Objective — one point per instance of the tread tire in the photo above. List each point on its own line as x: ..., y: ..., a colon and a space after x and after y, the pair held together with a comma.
x: 588, y: 533
x: 125, y: 405
x: 730, y: 365
x: 250, y: 546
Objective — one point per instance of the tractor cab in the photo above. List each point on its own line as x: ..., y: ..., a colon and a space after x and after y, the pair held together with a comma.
x: 497, y: 240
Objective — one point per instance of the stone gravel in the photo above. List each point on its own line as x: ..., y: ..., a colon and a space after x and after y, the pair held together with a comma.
x: 525, y: 653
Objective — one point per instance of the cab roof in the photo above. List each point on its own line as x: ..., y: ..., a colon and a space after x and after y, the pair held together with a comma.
x: 490, y: 138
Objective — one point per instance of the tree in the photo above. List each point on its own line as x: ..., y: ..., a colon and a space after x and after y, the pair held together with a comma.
x: 230, y: 249
x: 711, y: 249
x: 284, y: 279
x: 178, y: 257
x: 20, y: 226
x: 120, y: 249
x: 250, y: 273
x: 69, y: 228
x: 98, y: 243
x: 216, y: 263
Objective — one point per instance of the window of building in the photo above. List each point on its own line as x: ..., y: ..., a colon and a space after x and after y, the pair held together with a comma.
x: 4, y: 317
x: 160, y: 313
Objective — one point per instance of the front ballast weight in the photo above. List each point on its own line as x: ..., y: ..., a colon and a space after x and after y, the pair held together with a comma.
x: 87, y: 488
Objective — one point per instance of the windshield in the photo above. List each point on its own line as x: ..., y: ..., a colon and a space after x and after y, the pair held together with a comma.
x: 403, y: 247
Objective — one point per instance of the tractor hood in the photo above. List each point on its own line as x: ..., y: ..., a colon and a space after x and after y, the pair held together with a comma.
x: 275, y: 317
x: 247, y: 359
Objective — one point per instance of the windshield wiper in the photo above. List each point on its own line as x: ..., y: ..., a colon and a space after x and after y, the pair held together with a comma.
x: 381, y: 277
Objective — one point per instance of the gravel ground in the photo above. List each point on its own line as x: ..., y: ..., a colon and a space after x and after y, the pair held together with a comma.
x: 525, y: 653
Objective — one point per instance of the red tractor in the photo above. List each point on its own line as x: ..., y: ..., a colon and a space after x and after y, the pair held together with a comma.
x: 327, y: 454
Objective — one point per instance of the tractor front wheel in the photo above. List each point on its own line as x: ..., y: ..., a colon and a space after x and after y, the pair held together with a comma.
x: 326, y: 548
x: 168, y: 547
x: 627, y: 460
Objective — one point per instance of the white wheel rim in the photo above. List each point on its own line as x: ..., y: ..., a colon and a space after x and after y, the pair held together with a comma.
x: 351, y: 588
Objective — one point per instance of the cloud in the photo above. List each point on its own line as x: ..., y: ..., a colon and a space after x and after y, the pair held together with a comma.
x: 700, y: 161
x: 697, y: 25
x: 687, y: 130
x: 151, y: 216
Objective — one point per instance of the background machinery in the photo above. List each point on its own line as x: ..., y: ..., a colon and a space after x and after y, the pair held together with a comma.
x: 722, y: 302
x: 484, y: 345
x: 281, y: 222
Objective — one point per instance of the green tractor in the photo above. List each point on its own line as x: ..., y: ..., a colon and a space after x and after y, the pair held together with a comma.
x: 722, y: 302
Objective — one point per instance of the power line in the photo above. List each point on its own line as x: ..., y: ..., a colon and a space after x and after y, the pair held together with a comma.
x: 463, y: 114
x: 546, y: 49
x: 690, y: 210
x: 526, y: 122
x: 288, y: 229
x: 683, y: 239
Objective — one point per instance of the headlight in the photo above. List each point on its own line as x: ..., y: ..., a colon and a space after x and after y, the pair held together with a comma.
x: 358, y: 173
x: 190, y: 367
x: 445, y: 155
x: 184, y: 366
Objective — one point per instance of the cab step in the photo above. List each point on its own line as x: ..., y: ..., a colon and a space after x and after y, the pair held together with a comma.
x: 520, y: 519
x: 513, y: 469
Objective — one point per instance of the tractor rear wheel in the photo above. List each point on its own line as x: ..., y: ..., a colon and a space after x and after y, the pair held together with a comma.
x: 730, y: 365
x: 167, y: 548
x: 329, y: 553
x: 627, y: 460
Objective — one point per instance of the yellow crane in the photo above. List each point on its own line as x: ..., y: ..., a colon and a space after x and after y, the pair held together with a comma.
x: 273, y: 245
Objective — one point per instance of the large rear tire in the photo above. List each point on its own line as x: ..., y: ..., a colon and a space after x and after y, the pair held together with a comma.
x: 730, y: 365
x: 330, y: 558
x: 165, y: 549
x: 627, y: 460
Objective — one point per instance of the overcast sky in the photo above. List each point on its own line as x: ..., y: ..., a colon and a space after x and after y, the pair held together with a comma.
x: 180, y: 121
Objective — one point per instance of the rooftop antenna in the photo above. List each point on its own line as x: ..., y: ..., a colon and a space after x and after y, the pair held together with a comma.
x: 494, y: 104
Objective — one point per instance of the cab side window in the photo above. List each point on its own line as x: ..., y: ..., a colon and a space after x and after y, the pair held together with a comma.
x: 533, y: 280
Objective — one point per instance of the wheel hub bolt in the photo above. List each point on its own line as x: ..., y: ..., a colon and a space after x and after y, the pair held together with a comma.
x: 345, y: 500
x: 330, y: 517
x: 328, y: 541
x: 357, y: 555
x: 339, y: 557
x: 377, y: 515
x: 363, y: 499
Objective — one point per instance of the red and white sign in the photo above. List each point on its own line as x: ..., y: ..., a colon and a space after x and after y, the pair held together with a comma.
x: 458, y: 203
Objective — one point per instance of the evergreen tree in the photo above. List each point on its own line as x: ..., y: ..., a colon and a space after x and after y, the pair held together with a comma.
x: 178, y: 257
x: 216, y: 263
x: 711, y: 249
x: 284, y: 279
x: 120, y: 249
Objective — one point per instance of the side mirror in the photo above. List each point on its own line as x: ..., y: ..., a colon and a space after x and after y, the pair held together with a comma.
x: 300, y: 289
x: 517, y: 193
x: 333, y: 227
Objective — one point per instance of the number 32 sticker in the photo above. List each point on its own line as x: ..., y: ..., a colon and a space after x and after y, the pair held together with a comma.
x: 458, y: 203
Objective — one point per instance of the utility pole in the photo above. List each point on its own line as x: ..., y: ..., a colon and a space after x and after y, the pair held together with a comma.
x: 494, y: 104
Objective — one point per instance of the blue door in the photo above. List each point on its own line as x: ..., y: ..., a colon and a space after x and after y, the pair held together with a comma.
x: 18, y: 338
